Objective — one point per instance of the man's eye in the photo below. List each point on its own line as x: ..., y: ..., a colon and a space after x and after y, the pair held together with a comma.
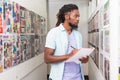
x: 76, y: 16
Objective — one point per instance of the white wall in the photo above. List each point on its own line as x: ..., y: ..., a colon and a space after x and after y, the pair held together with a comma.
x: 38, y: 6
x: 94, y: 73
x: 55, y: 5
x: 35, y: 68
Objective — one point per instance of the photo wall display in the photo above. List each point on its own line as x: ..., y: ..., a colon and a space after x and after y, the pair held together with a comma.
x: 95, y: 21
x: 97, y: 58
x: 106, y: 13
x: 99, y: 37
x: 1, y: 53
x: 101, y: 63
x: 15, y: 18
x: 42, y: 25
x: 43, y: 38
x: 23, y: 17
x: 1, y: 47
x: 101, y: 17
x: 96, y: 39
x: 6, y: 16
x: 22, y: 34
x: 1, y: 17
x: 105, y: 66
x: 104, y: 51
x: 93, y: 53
x: 107, y: 69
x: 93, y: 37
x: 106, y: 44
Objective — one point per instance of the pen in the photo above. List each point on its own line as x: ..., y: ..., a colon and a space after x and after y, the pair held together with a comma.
x: 72, y: 47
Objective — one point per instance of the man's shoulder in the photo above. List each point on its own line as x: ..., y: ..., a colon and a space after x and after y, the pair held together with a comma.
x: 54, y: 29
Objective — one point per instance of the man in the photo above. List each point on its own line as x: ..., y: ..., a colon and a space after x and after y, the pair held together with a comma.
x: 62, y: 42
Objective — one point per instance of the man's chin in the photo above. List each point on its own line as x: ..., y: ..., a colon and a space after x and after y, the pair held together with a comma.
x: 73, y: 26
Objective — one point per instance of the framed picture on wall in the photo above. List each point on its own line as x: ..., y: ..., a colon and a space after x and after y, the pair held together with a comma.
x: 7, y: 24
x: 16, y: 56
x: 101, y: 60
x: 101, y: 39
x: 15, y: 18
x: 97, y: 58
x: 22, y: 19
x: 106, y: 69
x: 106, y: 13
x: 1, y: 55
x: 28, y: 22
x: 101, y: 18
x: 106, y: 42
x: 7, y: 50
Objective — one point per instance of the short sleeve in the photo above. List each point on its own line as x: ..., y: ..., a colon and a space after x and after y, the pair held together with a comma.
x: 50, y: 39
x: 80, y: 39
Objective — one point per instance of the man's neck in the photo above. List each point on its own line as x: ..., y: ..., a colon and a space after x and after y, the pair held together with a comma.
x: 68, y: 28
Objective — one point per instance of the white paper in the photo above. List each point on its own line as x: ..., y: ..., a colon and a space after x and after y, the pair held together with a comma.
x: 83, y: 52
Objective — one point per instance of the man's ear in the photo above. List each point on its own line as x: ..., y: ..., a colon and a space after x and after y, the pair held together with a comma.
x: 67, y: 16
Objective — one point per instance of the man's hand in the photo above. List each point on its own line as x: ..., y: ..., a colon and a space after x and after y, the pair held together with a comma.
x: 74, y: 51
x: 84, y: 59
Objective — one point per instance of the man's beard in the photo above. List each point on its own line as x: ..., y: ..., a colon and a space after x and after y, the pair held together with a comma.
x: 73, y: 26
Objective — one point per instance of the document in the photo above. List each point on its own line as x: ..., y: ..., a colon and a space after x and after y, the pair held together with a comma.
x: 83, y: 52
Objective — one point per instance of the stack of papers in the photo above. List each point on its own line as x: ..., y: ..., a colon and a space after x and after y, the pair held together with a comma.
x: 83, y: 52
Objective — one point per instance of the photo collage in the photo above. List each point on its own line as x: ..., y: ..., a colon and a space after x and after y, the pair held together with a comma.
x: 22, y: 34
x: 99, y: 37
